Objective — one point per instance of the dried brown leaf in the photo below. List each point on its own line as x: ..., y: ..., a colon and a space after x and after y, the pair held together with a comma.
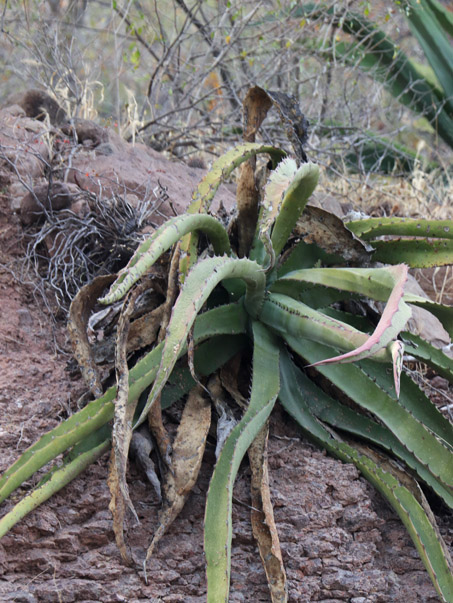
x: 319, y: 226
x: 122, y: 427
x: 155, y: 422
x: 79, y: 314
x: 257, y: 103
x: 188, y: 450
x: 262, y: 515
x: 255, y: 107
x: 143, y: 330
x: 117, y: 507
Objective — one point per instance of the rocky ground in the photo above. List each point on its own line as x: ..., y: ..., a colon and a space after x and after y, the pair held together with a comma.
x: 340, y: 541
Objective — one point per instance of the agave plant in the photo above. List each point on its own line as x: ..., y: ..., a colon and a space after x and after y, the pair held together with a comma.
x: 283, y: 305
x: 426, y: 89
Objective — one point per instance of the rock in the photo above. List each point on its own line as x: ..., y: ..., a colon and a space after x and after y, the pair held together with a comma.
x: 24, y: 150
x: 102, y: 163
x: 39, y: 104
x: 81, y: 207
x: 439, y: 383
x: 45, y: 197
x: 135, y: 169
x: 87, y: 132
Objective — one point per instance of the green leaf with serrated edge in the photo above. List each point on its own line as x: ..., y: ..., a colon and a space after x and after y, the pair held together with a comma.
x: 305, y: 255
x: 288, y: 316
x: 376, y: 283
x: 204, y: 193
x: 418, y: 253
x: 420, y: 525
x: 218, y: 528
x: 160, y: 242
x: 393, y: 320
x: 284, y: 211
x: 315, y: 296
x: 441, y: 311
x: 375, y: 227
x: 202, y: 279
x: 208, y: 357
x: 375, y: 53
x: 430, y: 355
x: 80, y: 457
x: 285, y: 197
x: 355, y: 320
x: 275, y: 190
x: 348, y: 420
x: 222, y: 168
x: 437, y: 47
x: 293, y: 204
x: 412, y: 398
x: 355, y: 383
x: 231, y: 319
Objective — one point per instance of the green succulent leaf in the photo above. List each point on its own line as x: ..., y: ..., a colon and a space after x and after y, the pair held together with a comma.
x: 408, y: 227
x: 201, y: 281
x: 285, y: 197
x: 343, y: 417
x: 282, y: 301
x: 218, y: 529
x: 305, y: 255
x: 288, y: 316
x: 392, y: 322
x: 411, y: 432
x: 293, y: 204
x: 430, y: 29
x: 412, y: 399
x: 417, y: 253
x: 376, y: 283
x: 443, y: 16
x: 209, y: 356
x: 222, y: 168
x: 160, y: 242
x: 315, y: 296
x: 412, y: 509
x: 204, y: 193
x: 80, y: 457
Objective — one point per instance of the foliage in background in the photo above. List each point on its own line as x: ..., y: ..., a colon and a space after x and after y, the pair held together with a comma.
x: 288, y: 316
x: 175, y: 73
x: 425, y: 88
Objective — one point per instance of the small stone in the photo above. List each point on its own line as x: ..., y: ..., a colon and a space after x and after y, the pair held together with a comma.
x: 439, y: 383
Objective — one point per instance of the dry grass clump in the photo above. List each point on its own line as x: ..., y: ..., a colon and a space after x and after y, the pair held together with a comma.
x: 419, y: 195
x: 70, y: 249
